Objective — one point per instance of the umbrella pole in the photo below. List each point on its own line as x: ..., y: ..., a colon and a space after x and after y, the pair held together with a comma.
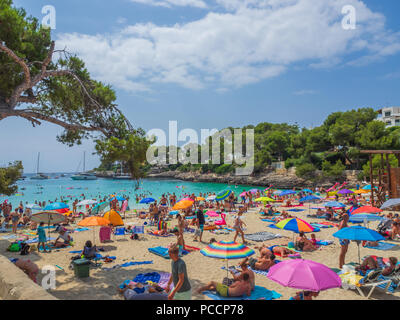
x: 359, y: 259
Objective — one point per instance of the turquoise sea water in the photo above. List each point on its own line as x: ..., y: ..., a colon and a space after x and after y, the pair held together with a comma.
x: 52, y: 189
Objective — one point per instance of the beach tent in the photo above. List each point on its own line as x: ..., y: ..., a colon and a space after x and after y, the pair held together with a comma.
x: 114, y: 217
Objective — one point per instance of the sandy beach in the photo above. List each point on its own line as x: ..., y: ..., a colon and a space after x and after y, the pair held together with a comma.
x: 103, y: 284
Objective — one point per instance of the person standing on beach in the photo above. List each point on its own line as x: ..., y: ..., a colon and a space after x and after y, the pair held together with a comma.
x: 200, y: 220
x: 238, y: 226
x: 15, y: 216
x: 42, y: 237
x: 182, y: 288
x: 344, y: 243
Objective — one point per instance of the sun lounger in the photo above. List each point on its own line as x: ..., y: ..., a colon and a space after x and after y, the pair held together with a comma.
x: 259, y: 293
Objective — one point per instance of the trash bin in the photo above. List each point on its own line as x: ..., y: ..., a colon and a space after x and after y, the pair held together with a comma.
x: 81, y: 268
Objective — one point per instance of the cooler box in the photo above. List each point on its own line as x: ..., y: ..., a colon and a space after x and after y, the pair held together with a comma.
x: 81, y: 268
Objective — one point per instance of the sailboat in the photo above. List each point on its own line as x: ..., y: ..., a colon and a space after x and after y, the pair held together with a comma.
x: 84, y: 175
x: 39, y: 176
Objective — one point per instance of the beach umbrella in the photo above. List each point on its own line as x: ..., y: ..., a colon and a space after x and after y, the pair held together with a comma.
x: 365, y: 217
x: 227, y: 250
x: 63, y: 210
x: 223, y: 195
x: 309, y: 198
x: 276, y: 192
x: 114, y: 217
x: 243, y: 194
x: 304, y: 275
x: 119, y: 198
x: 307, y: 190
x: 173, y: 213
x: 345, y: 191
x: 94, y: 221
x: 264, y: 199
x: 55, y: 206
x: 358, y: 233
x: 48, y: 217
x: 295, y: 224
x: 186, y: 199
x: 182, y: 205
x: 366, y: 209
x: 334, y: 204
x: 368, y: 187
x: 254, y: 190
x: 100, y: 207
x: 286, y: 193
x: 86, y: 202
x: 391, y: 203
x: 361, y: 191
x: 200, y: 199
x: 147, y: 200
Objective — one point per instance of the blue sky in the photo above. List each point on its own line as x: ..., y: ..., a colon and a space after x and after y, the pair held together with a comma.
x: 217, y: 63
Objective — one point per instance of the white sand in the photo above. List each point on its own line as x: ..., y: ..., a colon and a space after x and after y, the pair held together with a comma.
x: 103, y: 284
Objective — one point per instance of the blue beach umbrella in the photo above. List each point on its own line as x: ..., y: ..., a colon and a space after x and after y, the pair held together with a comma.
x: 368, y: 187
x: 334, y: 204
x: 147, y: 200
x: 55, y: 206
x: 287, y: 192
x: 309, y: 198
x: 100, y: 207
x: 307, y: 190
x: 358, y: 233
x: 365, y: 217
x: 223, y: 195
x: 119, y: 198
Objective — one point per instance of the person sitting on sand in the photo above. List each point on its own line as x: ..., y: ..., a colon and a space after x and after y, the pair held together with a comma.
x: 304, y: 244
x: 395, y: 232
x: 305, y: 295
x: 66, y: 238
x: 244, y: 269
x: 89, y: 251
x: 30, y: 268
x: 236, y: 289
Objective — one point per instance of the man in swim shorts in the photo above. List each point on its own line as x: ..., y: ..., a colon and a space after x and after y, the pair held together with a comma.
x: 236, y: 289
x: 344, y: 243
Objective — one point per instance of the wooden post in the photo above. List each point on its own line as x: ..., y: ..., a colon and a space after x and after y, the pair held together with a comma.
x: 389, y: 180
x: 371, y: 177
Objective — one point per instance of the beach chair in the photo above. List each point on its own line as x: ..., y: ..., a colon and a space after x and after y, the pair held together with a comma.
x: 370, y: 281
x: 120, y: 232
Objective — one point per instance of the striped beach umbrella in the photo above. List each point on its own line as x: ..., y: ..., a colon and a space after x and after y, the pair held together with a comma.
x: 227, y: 250
x: 223, y: 195
x: 296, y: 225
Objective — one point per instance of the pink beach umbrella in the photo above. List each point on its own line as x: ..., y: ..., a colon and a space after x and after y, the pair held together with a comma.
x: 304, y: 275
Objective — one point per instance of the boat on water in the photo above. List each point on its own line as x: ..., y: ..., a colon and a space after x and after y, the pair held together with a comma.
x: 122, y: 175
x: 84, y: 175
x: 39, y: 175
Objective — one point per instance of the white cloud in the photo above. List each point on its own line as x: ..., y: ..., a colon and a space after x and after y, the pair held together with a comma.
x: 170, y: 3
x: 249, y: 41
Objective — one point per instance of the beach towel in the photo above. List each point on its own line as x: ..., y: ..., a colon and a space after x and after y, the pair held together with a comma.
x: 164, y: 278
x: 324, y: 242
x: 259, y: 293
x: 105, y: 234
x: 383, y: 246
x: 51, y: 247
x: 296, y: 210
x: 268, y: 220
x: 138, y: 229
x: 150, y: 276
x: 127, y: 264
x: 163, y: 252
x: 80, y: 229
x: 189, y: 248
x: 37, y: 239
x: 320, y: 225
x: 262, y: 236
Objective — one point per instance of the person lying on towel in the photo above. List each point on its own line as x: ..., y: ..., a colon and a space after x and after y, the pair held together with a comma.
x: 134, y: 289
x: 236, y: 289
x: 263, y: 263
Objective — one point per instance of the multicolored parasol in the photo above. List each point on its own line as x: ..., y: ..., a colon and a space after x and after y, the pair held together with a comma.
x: 295, y: 224
x: 223, y: 195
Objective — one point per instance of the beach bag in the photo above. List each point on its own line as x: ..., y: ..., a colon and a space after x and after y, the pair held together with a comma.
x: 14, y: 247
x: 25, y: 249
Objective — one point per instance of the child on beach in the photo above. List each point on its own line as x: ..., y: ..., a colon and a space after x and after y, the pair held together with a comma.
x: 180, y: 242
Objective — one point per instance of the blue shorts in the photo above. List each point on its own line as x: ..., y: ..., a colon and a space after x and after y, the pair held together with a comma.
x: 344, y: 242
x: 201, y: 227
